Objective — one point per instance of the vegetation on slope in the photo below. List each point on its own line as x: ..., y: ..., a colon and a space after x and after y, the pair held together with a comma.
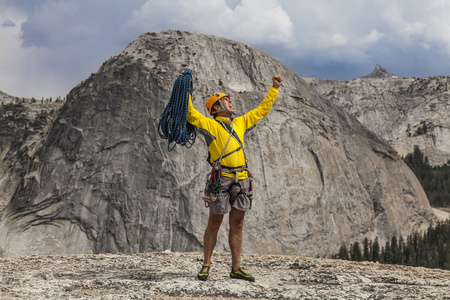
x: 428, y: 249
x: 434, y: 180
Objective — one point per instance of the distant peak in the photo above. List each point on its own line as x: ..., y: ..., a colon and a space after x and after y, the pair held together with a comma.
x: 379, y: 72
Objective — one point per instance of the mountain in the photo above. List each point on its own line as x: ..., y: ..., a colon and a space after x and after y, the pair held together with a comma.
x: 102, y: 180
x: 403, y: 111
x: 5, y: 98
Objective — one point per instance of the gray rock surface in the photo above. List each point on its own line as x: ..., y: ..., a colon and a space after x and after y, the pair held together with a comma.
x: 5, y: 98
x: 172, y: 276
x: 23, y: 128
x: 403, y: 111
x: 103, y: 180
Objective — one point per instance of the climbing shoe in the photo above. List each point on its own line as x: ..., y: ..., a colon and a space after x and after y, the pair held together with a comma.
x: 203, y: 275
x: 241, y: 274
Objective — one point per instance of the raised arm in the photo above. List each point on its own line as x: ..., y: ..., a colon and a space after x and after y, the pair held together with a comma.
x: 277, y: 81
x: 253, y: 116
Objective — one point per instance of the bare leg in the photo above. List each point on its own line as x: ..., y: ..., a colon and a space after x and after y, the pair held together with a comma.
x: 210, y: 237
x: 235, y: 236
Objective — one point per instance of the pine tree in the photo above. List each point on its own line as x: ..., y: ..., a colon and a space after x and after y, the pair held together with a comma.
x: 396, y: 257
x: 366, y: 249
x: 388, y: 257
x: 376, y: 251
x: 356, y: 252
x: 343, y: 253
x: 401, y: 250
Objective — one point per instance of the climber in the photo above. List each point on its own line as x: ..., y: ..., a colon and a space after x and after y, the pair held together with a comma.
x: 224, y: 136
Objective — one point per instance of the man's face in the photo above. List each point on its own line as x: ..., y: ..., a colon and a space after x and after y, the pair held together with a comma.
x: 226, y: 103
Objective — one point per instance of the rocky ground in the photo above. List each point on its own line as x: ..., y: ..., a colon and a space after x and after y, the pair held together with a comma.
x: 161, y: 275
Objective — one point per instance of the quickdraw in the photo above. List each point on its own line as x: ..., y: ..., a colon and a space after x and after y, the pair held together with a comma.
x: 213, y: 184
x: 250, y: 188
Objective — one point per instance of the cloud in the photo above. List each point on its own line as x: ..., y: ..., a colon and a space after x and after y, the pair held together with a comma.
x: 405, y: 32
x: 8, y: 23
x: 57, y: 44
x: 438, y: 26
x: 13, y: 58
x: 255, y: 22
x: 50, y: 25
x: 360, y: 34
x: 420, y: 24
x: 334, y: 31
x: 49, y: 46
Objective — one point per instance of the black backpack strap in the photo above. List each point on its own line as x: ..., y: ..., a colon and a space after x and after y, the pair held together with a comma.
x: 235, y: 150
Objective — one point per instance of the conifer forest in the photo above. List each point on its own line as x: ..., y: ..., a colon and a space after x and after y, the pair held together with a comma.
x: 429, y: 249
x: 434, y: 180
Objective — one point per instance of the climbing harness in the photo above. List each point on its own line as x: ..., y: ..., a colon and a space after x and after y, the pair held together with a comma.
x: 213, y: 189
x: 236, y: 182
x: 173, y: 124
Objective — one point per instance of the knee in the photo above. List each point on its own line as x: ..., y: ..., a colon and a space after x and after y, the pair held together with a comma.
x: 214, y: 224
x: 237, y: 224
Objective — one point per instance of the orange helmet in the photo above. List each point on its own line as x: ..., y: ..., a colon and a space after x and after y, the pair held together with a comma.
x: 213, y: 99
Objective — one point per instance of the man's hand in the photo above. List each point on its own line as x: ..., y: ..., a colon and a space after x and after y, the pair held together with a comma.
x: 182, y: 72
x: 277, y: 80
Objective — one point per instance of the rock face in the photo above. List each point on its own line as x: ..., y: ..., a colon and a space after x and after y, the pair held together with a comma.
x: 103, y: 180
x: 23, y: 127
x: 172, y: 276
x: 403, y: 111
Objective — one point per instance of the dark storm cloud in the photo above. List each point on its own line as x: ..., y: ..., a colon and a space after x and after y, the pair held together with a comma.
x: 8, y: 23
x: 55, y: 44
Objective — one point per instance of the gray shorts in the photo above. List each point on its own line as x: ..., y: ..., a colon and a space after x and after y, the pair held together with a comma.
x: 230, y: 190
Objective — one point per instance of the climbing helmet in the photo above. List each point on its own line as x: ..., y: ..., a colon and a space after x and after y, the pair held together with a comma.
x: 212, y: 100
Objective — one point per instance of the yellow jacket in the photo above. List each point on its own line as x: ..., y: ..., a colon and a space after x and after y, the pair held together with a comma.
x: 216, y: 136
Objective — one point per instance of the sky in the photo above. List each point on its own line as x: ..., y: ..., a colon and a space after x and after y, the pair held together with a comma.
x: 47, y: 47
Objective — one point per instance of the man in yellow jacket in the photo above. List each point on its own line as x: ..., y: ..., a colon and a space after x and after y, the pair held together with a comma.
x: 235, y: 183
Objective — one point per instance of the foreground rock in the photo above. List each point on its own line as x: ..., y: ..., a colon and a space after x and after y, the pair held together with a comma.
x: 102, y: 180
x: 172, y: 276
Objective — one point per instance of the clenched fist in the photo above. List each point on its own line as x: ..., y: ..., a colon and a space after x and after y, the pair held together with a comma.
x: 277, y: 80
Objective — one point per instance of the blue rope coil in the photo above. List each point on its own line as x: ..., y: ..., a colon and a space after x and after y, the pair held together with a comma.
x: 173, y: 124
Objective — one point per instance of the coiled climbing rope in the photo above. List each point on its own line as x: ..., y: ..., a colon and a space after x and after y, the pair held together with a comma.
x: 173, y: 124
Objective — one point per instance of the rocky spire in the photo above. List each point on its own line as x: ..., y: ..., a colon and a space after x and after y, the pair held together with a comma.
x: 379, y: 72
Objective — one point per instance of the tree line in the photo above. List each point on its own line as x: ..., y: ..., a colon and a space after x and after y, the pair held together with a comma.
x: 434, y: 180
x: 18, y: 100
x: 430, y: 249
